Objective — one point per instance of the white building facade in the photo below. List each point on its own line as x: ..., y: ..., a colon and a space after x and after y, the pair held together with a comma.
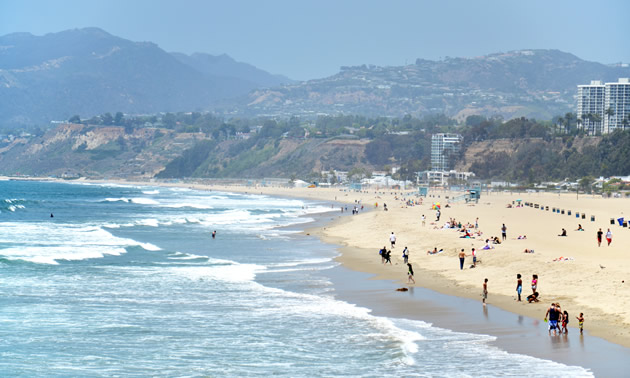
x: 604, y: 108
x: 617, y: 106
x: 443, y: 147
x: 590, y: 108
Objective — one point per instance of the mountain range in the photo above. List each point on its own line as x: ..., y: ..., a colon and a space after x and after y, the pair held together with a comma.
x: 88, y: 72
x: 530, y: 83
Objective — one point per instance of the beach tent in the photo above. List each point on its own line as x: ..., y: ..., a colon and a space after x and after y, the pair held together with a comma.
x: 620, y: 220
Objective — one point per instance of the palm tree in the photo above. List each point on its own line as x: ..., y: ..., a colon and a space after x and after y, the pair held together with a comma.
x: 609, y: 113
x: 560, y: 122
x: 568, y: 118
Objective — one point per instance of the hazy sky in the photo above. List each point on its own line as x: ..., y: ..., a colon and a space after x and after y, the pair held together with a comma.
x: 310, y: 39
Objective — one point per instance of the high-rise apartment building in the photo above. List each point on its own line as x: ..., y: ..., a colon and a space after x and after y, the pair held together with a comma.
x: 617, y: 106
x: 590, y: 110
x: 603, y: 108
x: 443, y: 147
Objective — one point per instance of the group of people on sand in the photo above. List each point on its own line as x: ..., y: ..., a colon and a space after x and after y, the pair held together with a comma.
x: 558, y: 319
x: 599, y: 235
x: 386, y: 257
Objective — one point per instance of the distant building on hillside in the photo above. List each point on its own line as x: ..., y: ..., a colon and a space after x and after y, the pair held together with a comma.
x: 617, y: 106
x: 591, y: 106
x: 603, y: 108
x: 443, y: 148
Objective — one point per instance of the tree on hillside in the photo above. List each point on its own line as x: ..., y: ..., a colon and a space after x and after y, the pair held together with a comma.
x: 568, y: 119
x: 74, y: 119
x: 118, y: 118
x: 609, y: 113
x: 107, y: 118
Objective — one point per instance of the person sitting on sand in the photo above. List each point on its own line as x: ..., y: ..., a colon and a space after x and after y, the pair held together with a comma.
x: 528, y: 250
x: 579, y: 228
x: 487, y: 246
x: 532, y: 297
x: 496, y: 240
x: 563, y: 233
x: 522, y: 237
x: 434, y: 252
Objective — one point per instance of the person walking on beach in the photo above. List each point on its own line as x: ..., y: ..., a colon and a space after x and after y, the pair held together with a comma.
x: 484, y: 294
x: 580, y: 320
x: 504, y: 232
x: 609, y: 236
x: 534, y: 283
x: 388, y: 258
x: 392, y: 239
x: 474, y: 256
x: 423, y: 220
x: 552, y: 316
x: 405, y: 255
x: 462, y: 257
x: 476, y: 223
x: 410, y: 274
x: 519, y: 286
x: 383, y: 253
x: 599, y: 237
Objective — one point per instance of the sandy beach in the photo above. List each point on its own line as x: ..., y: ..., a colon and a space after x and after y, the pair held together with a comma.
x: 571, y: 270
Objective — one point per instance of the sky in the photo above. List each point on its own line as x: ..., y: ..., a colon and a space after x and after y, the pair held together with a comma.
x: 305, y: 39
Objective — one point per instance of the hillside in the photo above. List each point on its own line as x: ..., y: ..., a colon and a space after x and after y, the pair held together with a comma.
x: 530, y: 83
x: 224, y: 66
x: 72, y: 149
x: 89, y: 72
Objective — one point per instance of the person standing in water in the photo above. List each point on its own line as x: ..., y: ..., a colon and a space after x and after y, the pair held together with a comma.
x: 214, y: 234
x: 484, y: 294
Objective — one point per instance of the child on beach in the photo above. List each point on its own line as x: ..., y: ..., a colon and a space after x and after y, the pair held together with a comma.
x: 534, y: 282
x: 580, y: 320
x: 532, y: 298
x: 519, y: 286
x: 609, y: 237
x: 565, y: 322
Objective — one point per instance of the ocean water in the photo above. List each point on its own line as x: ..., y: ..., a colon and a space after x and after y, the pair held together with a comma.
x: 127, y: 281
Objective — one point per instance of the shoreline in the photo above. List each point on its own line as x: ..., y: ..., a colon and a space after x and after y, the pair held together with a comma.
x: 365, y: 259
x: 358, y: 252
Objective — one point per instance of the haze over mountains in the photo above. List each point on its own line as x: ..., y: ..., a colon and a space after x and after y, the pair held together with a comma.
x: 90, y: 72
